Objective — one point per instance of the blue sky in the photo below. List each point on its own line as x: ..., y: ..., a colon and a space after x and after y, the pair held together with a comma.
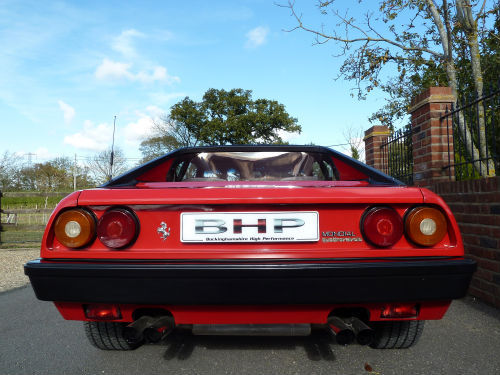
x: 67, y: 68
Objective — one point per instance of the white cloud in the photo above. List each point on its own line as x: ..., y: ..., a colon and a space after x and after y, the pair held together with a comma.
x: 137, y: 131
x: 159, y: 74
x: 123, y: 43
x: 42, y: 153
x: 68, y: 111
x: 155, y: 111
x: 287, y: 136
x: 113, y: 71
x: 92, y: 137
x: 256, y: 37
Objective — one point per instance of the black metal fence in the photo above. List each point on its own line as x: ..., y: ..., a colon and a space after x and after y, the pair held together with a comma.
x: 476, y: 136
x: 397, y: 155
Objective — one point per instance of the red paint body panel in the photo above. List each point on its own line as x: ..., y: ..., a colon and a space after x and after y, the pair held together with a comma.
x: 278, y: 195
x: 69, y: 201
x: 347, y: 172
x: 154, y: 206
x: 290, y: 314
x: 340, y: 205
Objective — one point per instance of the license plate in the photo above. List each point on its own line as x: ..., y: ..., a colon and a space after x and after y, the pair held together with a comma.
x: 301, y: 226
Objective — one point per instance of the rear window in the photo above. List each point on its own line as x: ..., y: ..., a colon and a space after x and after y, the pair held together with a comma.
x: 253, y: 166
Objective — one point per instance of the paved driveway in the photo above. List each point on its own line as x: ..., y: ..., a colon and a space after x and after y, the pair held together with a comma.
x: 34, y: 339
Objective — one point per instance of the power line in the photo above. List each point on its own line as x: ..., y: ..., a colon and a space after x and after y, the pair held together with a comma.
x: 340, y: 144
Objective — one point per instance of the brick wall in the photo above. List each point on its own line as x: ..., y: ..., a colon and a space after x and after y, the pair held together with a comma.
x: 475, y: 203
x: 476, y: 206
x: 432, y: 138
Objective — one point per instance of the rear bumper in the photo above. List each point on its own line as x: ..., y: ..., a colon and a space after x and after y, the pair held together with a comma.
x: 250, y: 284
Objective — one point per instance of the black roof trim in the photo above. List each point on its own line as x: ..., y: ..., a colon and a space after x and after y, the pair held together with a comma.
x: 129, y: 178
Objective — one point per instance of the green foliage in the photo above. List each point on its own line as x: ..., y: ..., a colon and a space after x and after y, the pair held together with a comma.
x: 220, y: 118
x: 31, y: 201
x: 432, y: 72
x: 155, y: 146
x: 354, y: 153
x: 404, y: 47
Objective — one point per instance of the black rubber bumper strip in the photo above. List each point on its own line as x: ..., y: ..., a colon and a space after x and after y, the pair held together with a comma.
x: 250, y: 284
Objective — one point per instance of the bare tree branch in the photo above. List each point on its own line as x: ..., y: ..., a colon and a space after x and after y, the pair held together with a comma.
x: 366, y: 38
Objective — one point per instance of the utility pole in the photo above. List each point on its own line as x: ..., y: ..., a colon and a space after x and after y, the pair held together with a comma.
x: 112, y: 151
x: 74, y: 175
x: 30, y: 155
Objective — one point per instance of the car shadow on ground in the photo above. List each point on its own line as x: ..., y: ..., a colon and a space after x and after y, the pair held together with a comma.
x: 180, y: 344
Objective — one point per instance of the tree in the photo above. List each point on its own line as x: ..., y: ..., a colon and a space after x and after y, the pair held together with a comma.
x: 354, y: 138
x: 83, y: 177
x: 54, y: 175
x: 8, y: 168
x: 221, y: 118
x: 100, y: 165
x: 385, y: 37
x: 168, y: 135
x: 57, y: 174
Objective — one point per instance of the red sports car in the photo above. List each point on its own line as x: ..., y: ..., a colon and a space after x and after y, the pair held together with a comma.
x: 261, y: 240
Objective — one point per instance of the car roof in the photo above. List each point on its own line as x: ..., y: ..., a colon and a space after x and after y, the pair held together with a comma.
x: 375, y: 176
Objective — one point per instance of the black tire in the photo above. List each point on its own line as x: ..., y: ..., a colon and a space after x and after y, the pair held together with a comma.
x: 397, y: 335
x: 108, y: 336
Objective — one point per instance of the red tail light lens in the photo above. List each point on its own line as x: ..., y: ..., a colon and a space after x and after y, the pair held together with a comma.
x: 102, y: 312
x: 382, y: 226
x: 399, y: 311
x: 117, y: 228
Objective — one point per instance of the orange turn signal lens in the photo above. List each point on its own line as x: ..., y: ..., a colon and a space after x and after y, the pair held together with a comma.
x: 75, y: 228
x: 426, y: 226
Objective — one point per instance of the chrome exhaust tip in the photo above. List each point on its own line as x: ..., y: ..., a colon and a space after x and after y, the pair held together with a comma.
x: 364, y: 334
x: 342, y: 331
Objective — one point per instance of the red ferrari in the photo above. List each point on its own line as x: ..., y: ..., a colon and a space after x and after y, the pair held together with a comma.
x: 252, y: 240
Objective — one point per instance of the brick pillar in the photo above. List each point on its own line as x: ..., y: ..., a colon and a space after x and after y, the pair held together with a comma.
x: 432, y: 138
x: 374, y: 137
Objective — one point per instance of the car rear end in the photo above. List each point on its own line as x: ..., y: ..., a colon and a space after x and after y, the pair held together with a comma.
x: 362, y: 260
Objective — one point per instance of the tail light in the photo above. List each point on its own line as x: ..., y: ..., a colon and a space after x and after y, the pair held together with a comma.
x: 382, y: 226
x: 117, y: 228
x: 399, y: 311
x: 102, y: 312
x: 425, y: 226
x: 75, y: 228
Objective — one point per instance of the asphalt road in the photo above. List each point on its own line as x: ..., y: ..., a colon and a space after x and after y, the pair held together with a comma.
x: 34, y: 339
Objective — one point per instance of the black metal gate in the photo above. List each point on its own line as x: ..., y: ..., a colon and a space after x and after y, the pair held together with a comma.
x: 397, y: 155
x: 476, y: 136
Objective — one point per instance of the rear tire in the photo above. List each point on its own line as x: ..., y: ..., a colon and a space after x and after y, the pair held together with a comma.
x: 397, y: 335
x: 108, y: 336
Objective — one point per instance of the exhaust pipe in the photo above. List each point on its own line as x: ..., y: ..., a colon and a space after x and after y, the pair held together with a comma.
x: 159, y: 329
x: 134, y: 331
x: 148, y: 328
x: 342, y: 331
x: 364, y: 334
